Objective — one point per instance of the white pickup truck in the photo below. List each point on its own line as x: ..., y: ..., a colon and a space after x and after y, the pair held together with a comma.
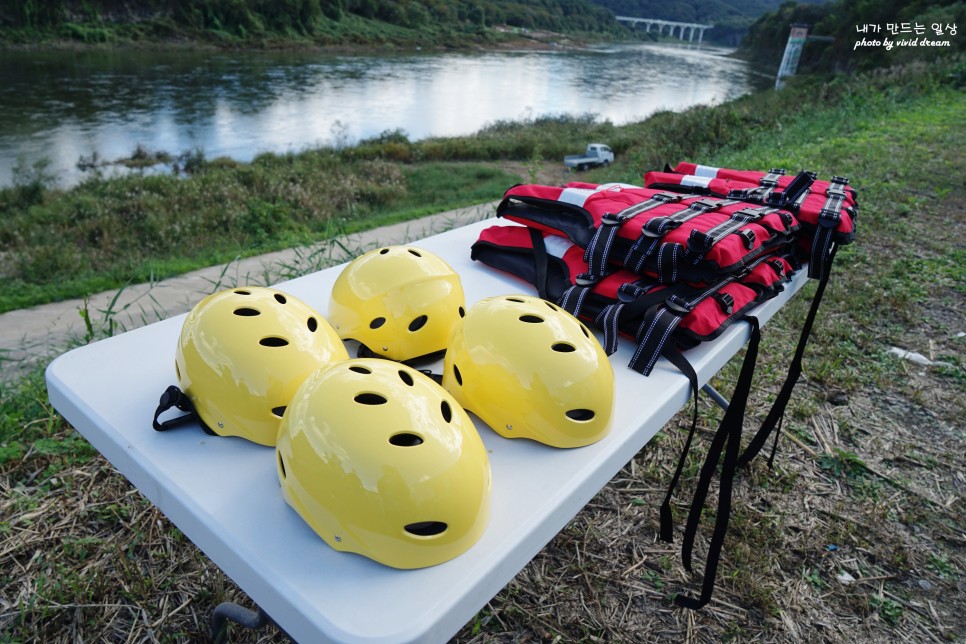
x: 595, y: 155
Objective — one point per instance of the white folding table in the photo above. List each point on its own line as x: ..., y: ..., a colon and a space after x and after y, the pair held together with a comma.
x: 223, y: 494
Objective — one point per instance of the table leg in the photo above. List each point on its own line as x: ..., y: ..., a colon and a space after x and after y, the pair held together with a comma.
x: 232, y: 612
x: 715, y: 396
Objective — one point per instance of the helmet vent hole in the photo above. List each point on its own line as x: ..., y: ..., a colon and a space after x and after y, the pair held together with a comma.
x: 273, y: 341
x: 313, y: 324
x: 446, y: 410
x: 414, y: 252
x: 457, y: 375
x: 584, y: 329
x: 376, y: 323
x: 405, y: 377
x: 370, y: 399
x: 531, y: 319
x: 278, y: 411
x: 242, y: 292
x: 418, y: 323
x: 384, y: 251
x: 177, y: 370
x: 405, y: 439
x: 281, y: 465
x: 514, y: 299
x: 563, y: 347
x: 551, y: 306
x: 359, y: 369
x: 581, y: 415
x: 246, y: 312
x: 426, y: 528
x: 280, y: 298
x: 462, y: 312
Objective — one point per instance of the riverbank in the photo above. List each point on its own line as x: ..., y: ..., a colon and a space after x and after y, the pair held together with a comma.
x: 855, y: 535
x: 106, y: 232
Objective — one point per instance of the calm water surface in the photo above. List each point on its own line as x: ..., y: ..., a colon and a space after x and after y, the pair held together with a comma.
x: 62, y: 106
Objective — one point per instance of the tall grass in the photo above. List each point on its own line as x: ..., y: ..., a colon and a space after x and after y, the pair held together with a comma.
x: 105, y: 232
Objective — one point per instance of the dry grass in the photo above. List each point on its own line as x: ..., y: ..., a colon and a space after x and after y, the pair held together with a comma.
x: 857, y: 534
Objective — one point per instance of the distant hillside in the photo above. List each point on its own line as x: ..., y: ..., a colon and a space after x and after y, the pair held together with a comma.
x: 731, y: 18
x: 447, y: 23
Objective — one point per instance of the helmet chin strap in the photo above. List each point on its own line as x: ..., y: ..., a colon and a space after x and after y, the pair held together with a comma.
x: 175, y: 398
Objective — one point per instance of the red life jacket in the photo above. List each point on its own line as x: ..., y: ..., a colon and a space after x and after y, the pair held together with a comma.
x: 826, y: 210
x: 663, y: 318
x: 660, y: 317
x: 670, y: 236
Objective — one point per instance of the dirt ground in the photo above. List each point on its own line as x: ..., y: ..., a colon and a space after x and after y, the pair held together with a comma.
x: 855, y: 535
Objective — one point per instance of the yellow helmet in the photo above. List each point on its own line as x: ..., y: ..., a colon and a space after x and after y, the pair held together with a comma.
x: 530, y: 369
x: 242, y: 354
x: 380, y: 460
x: 399, y: 302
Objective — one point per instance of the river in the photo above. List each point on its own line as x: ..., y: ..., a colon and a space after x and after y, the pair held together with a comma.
x: 57, y: 107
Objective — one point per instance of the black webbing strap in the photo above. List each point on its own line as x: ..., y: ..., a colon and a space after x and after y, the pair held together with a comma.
x: 573, y: 299
x: 777, y: 411
x: 828, y: 221
x: 653, y: 231
x: 654, y: 332
x: 678, y: 360
x: 608, y: 319
x: 794, y: 193
x: 662, y: 317
x: 174, y: 398
x: 597, y: 253
x: 727, y: 438
x: 539, y: 262
x: 700, y: 243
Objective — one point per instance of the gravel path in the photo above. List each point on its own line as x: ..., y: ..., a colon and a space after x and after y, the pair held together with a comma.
x: 39, y: 334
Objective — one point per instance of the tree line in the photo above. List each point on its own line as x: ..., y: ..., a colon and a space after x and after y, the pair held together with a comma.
x: 319, y: 18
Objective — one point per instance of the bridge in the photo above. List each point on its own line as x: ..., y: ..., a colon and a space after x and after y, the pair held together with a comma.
x: 682, y: 28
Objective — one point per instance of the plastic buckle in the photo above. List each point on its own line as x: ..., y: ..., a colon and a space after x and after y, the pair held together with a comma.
x: 829, y: 218
x: 775, y: 199
x: 585, y: 279
x: 699, y: 242
x: 704, y: 204
x: 726, y: 301
x: 612, y: 219
x: 174, y: 397
x: 748, y: 236
x: 667, y: 197
x: 629, y: 291
x: 677, y: 305
x: 779, y: 267
x: 659, y: 222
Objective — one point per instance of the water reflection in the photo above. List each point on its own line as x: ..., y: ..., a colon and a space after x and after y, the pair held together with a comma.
x: 62, y: 106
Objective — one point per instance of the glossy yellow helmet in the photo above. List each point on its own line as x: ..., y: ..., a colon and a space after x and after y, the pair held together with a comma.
x: 399, y: 302
x: 529, y: 369
x: 381, y: 461
x: 242, y: 354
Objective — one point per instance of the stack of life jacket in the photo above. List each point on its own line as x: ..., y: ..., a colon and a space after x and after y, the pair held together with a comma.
x: 672, y: 264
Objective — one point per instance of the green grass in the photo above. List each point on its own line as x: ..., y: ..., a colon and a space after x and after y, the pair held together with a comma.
x: 105, y: 233
x: 899, y: 135
x: 109, y: 232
